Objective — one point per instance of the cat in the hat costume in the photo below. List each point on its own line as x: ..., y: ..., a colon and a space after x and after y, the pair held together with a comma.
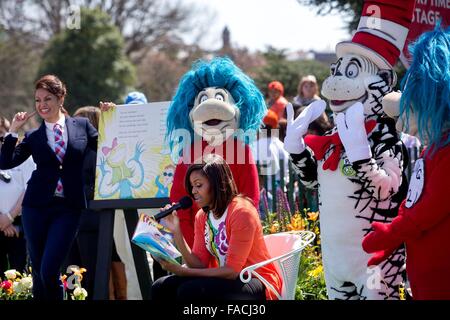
x: 358, y: 166
x: 216, y: 109
x: 423, y: 222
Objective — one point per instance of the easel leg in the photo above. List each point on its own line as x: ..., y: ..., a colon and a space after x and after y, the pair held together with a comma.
x: 139, y: 256
x: 104, y: 248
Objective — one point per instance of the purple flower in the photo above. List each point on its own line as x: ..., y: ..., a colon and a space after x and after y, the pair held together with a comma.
x: 285, y: 202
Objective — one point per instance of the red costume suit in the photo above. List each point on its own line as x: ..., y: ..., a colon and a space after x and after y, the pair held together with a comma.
x: 241, y: 164
x: 423, y: 224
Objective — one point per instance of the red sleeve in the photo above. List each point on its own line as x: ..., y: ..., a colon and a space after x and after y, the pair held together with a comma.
x: 199, y: 246
x: 430, y: 209
x: 186, y: 216
x: 243, y: 226
x: 246, y: 178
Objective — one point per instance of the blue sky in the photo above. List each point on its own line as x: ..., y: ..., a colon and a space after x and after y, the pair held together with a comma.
x: 280, y: 23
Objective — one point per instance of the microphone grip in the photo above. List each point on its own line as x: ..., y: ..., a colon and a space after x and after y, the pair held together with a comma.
x: 166, y: 212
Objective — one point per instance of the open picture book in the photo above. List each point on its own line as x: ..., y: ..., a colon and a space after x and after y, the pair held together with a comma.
x: 156, y: 239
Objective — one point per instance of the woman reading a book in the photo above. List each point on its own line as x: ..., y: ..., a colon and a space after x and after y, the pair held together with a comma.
x: 228, y: 237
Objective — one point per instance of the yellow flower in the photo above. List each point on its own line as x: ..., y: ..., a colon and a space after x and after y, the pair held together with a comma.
x: 402, y: 293
x: 275, y: 227
x: 316, y: 272
x: 313, y: 215
x: 297, y: 223
x: 78, y: 272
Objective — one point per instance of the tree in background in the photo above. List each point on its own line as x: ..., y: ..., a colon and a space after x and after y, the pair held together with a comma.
x: 158, y: 76
x: 19, y: 61
x: 91, y: 61
x: 289, y: 73
x: 351, y: 8
x: 142, y: 22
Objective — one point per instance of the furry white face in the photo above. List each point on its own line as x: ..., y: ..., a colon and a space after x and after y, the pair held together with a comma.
x: 355, y: 78
x: 214, y: 116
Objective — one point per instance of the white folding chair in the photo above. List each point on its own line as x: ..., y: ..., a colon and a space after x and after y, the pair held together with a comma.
x: 285, y: 249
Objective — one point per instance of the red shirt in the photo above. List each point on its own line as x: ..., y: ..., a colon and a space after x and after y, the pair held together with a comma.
x: 428, y: 255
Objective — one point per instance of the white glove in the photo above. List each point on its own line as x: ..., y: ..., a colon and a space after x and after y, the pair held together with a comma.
x: 352, y: 132
x: 296, y: 129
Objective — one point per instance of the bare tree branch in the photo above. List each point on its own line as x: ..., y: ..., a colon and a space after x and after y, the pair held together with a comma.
x: 142, y: 22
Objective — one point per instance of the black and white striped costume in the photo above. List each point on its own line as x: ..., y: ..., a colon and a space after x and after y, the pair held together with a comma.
x: 355, y: 195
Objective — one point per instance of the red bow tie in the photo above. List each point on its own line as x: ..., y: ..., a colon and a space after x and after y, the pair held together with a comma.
x: 321, y: 144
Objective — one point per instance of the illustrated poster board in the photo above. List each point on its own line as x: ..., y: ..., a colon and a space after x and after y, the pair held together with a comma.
x: 134, y: 167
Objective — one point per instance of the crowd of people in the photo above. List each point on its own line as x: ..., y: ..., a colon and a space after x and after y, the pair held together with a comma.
x: 47, y: 179
x: 352, y: 151
x: 48, y: 176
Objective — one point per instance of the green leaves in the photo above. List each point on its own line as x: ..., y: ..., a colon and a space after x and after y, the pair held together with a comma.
x: 288, y: 72
x: 91, y: 61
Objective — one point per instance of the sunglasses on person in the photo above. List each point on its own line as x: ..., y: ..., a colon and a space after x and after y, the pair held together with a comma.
x: 167, y: 174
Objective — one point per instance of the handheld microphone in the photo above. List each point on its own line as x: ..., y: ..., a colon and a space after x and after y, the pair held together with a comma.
x: 184, y: 203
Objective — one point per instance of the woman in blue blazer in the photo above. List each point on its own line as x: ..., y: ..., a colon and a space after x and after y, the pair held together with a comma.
x: 55, y: 194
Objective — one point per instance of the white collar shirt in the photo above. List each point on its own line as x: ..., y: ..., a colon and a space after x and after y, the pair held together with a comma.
x: 51, y: 135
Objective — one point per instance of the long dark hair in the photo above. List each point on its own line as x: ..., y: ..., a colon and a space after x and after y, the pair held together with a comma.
x: 220, y: 178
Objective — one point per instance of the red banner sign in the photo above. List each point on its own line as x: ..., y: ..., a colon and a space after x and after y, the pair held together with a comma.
x: 425, y: 16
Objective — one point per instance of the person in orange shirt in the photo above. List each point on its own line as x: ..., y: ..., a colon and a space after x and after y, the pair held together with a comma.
x: 228, y: 237
x: 277, y: 101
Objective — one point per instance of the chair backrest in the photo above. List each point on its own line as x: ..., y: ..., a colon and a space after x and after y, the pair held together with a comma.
x: 287, y: 246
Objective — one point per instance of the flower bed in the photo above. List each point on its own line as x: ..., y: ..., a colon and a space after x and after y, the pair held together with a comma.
x: 311, y: 281
x: 18, y: 286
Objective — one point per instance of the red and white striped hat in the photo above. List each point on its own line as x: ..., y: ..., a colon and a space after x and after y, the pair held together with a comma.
x: 381, y: 32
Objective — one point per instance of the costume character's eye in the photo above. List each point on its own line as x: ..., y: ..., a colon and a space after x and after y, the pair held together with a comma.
x: 203, y: 98
x: 220, y: 97
x: 352, y: 70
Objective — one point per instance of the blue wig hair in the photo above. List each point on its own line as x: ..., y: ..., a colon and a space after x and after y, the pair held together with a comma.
x: 426, y: 86
x: 220, y: 72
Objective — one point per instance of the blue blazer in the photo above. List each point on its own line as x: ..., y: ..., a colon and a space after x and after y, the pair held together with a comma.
x: 82, y: 136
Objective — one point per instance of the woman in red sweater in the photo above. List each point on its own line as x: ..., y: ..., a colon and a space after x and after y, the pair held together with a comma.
x: 228, y: 237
